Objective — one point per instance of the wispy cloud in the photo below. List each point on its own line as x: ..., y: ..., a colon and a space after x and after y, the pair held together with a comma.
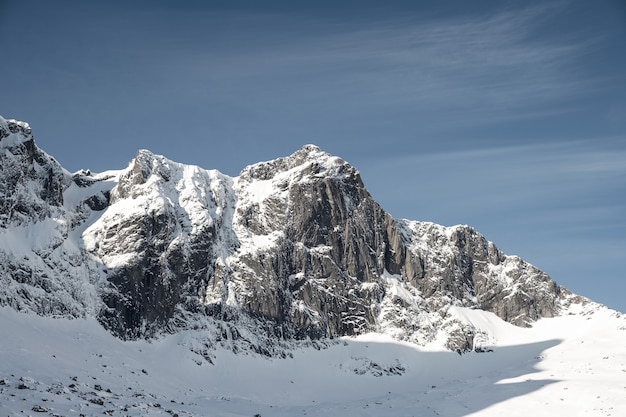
x: 467, y: 70
x: 253, y: 76
x: 518, y: 180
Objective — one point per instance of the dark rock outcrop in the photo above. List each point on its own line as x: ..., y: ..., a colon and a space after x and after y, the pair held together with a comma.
x: 32, y: 182
x: 42, y: 270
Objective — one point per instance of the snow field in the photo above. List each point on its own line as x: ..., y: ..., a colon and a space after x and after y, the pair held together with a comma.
x: 571, y: 365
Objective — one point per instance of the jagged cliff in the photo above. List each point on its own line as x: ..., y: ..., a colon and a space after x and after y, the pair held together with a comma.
x: 43, y: 269
x: 291, y: 249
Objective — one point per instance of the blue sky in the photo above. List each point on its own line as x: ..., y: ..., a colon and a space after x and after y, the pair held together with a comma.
x: 507, y: 116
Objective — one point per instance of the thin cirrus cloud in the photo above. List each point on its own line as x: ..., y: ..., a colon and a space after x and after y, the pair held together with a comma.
x: 519, y: 179
x: 470, y: 71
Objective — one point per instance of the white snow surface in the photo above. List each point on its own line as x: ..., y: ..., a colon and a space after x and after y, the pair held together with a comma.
x: 573, y: 365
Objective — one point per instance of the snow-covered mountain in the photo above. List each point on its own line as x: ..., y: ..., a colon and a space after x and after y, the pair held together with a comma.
x: 291, y: 249
x: 168, y: 289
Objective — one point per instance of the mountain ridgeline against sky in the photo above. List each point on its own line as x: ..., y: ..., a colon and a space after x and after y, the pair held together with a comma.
x: 291, y: 249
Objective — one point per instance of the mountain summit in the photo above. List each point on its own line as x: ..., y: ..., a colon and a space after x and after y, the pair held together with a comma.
x: 293, y: 249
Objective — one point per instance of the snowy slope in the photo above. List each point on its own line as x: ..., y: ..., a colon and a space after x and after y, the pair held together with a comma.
x: 572, y: 365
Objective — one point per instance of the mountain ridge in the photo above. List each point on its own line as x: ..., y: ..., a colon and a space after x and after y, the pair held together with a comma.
x: 290, y: 249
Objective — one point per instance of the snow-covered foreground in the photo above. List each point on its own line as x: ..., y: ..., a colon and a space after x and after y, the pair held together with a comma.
x: 573, y: 365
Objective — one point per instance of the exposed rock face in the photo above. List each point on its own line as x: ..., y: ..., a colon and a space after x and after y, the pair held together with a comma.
x: 41, y: 269
x: 291, y: 248
x: 32, y: 182
x: 327, y: 237
x: 460, y: 264
x: 158, y: 239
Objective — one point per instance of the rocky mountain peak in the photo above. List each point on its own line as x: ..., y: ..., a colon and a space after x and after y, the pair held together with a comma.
x: 292, y: 248
x: 31, y: 182
x: 13, y: 132
x: 145, y: 171
x: 307, y: 162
